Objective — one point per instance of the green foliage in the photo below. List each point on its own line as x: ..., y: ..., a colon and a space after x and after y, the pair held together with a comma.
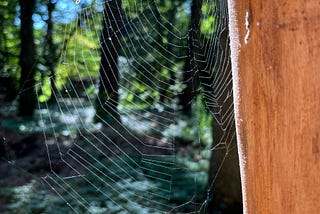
x: 80, y: 57
x: 208, y: 23
x: 9, y: 41
x: 46, y: 90
x: 208, y: 26
x: 186, y: 130
x: 77, y: 45
x: 149, y: 68
x: 143, y: 70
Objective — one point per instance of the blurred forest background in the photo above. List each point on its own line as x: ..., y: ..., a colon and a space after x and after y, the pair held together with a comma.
x: 120, y: 106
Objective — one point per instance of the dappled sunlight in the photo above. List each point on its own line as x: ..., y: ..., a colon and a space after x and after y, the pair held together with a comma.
x: 118, y: 106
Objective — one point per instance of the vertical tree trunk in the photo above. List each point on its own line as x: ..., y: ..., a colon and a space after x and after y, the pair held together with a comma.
x: 27, y: 97
x: 108, y: 97
x: 188, y: 94
x: 276, y: 72
x: 51, y: 56
x: 224, y: 186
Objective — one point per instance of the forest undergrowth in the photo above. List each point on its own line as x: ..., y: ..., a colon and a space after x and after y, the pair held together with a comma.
x: 24, y: 189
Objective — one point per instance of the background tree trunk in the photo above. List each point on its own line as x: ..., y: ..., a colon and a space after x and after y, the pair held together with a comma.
x: 51, y: 56
x: 224, y: 175
x: 27, y: 96
x: 277, y: 95
x: 108, y: 97
x: 187, y: 95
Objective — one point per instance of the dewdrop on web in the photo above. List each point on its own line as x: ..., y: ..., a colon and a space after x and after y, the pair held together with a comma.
x: 77, y: 1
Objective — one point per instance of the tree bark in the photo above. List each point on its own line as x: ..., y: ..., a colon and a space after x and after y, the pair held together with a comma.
x: 277, y: 94
x: 27, y: 96
x: 224, y: 186
x: 51, y: 56
x: 187, y: 95
x: 108, y: 97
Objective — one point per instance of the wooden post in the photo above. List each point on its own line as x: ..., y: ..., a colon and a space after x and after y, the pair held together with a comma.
x: 276, y: 70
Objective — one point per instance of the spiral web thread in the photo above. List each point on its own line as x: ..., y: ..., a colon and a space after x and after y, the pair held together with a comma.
x: 111, y: 158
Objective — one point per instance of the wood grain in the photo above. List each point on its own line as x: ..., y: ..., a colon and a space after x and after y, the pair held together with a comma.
x: 278, y: 104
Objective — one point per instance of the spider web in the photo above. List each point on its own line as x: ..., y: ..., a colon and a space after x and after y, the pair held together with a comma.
x: 113, y: 160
